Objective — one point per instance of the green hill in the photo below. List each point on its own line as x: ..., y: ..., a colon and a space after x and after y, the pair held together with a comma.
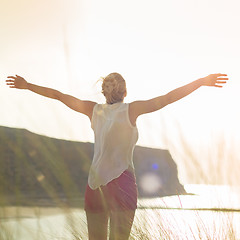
x: 36, y: 169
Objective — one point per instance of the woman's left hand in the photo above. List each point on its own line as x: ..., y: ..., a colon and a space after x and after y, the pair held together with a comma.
x: 17, y: 82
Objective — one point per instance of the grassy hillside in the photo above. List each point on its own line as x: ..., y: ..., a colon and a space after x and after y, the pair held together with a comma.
x: 35, y: 168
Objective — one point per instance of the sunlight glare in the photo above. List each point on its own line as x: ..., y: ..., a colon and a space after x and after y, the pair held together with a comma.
x: 151, y: 183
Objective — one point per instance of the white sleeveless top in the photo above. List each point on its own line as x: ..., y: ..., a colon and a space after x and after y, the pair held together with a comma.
x: 115, y: 139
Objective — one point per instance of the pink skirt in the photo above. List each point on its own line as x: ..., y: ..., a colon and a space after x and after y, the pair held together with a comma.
x: 118, y: 195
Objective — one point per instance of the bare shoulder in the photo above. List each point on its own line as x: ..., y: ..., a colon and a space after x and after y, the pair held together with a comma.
x: 83, y: 106
x: 138, y: 108
x: 86, y: 107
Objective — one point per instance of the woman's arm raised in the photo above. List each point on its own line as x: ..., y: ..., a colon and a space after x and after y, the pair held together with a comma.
x: 85, y: 107
x: 138, y: 108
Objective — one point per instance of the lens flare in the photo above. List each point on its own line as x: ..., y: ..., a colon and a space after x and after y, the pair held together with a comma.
x: 150, y: 183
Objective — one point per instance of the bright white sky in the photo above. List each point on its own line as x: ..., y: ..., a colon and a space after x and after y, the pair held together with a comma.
x: 156, y: 45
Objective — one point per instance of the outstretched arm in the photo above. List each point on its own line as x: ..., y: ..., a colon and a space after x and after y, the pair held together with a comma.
x: 141, y: 107
x: 85, y: 107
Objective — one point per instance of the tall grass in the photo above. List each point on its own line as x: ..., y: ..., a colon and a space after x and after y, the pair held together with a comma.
x: 149, y: 224
x: 213, y: 160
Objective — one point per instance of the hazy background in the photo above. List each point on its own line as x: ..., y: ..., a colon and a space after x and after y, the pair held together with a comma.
x: 156, y: 45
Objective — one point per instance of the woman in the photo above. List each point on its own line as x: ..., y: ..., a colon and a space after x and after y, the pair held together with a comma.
x: 111, y: 192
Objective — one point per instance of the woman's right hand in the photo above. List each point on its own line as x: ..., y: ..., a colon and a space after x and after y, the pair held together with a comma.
x: 17, y: 82
x: 215, y: 80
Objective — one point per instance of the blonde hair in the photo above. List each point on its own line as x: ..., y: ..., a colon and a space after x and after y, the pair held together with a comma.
x: 114, y: 88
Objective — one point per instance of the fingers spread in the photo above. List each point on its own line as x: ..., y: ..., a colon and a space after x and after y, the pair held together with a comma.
x: 10, y: 83
x: 221, y: 74
x: 12, y: 77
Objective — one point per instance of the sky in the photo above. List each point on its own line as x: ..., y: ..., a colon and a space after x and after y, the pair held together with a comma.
x: 156, y: 45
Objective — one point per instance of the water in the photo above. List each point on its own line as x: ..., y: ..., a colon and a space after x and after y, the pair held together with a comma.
x: 176, y: 217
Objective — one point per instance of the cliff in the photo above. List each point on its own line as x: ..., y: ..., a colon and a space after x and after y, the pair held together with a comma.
x: 34, y: 167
